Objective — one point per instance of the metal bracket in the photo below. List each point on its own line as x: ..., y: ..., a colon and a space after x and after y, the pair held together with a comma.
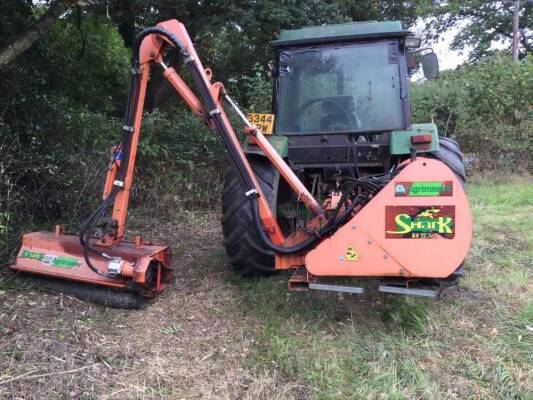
x: 336, y: 288
x: 188, y: 59
x: 252, y: 193
x: 407, y: 291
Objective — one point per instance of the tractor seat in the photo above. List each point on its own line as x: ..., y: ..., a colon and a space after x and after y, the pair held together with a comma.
x: 332, y: 112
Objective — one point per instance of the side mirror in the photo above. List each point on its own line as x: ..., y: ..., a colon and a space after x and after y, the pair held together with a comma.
x: 430, y: 65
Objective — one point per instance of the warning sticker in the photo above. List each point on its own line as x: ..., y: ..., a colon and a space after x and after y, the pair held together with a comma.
x: 351, y: 254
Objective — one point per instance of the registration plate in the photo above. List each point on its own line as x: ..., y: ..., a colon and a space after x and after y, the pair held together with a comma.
x: 265, y: 122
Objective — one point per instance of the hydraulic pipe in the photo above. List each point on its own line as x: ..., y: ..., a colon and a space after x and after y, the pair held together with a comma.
x: 279, y: 163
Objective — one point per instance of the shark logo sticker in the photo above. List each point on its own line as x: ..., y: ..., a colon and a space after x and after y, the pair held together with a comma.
x: 419, y: 222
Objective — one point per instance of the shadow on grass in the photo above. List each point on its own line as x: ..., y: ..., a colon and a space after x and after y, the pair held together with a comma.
x: 269, y: 300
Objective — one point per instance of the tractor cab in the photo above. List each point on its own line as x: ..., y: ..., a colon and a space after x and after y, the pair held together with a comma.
x: 339, y: 84
x: 343, y: 78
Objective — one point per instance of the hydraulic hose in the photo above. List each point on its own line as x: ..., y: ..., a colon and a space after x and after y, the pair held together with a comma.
x: 214, y: 115
x: 88, y: 225
x: 234, y: 155
x: 327, y: 229
x: 205, y: 94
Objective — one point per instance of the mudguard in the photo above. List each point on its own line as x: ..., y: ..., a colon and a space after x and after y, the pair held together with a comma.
x: 418, y: 225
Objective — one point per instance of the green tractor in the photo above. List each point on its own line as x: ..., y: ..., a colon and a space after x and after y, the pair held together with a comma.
x: 340, y: 111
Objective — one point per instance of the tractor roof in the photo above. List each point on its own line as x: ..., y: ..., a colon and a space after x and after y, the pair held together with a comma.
x: 339, y: 32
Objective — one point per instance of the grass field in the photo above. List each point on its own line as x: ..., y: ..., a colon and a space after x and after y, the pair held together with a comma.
x: 474, y: 343
x: 216, y: 336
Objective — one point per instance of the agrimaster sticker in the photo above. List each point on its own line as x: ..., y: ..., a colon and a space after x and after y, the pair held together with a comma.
x: 419, y: 222
x: 423, y: 189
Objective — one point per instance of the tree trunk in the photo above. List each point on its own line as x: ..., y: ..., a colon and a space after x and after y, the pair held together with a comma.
x: 516, y: 34
x: 24, y: 41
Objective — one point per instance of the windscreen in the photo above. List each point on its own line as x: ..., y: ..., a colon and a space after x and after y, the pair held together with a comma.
x: 339, y: 88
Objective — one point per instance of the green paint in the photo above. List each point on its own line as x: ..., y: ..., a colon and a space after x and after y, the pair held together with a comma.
x: 400, y: 141
x: 48, y: 259
x: 405, y: 224
x: 280, y: 144
x: 427, y: 189
x: 64, y: 262
x: 338, y: 32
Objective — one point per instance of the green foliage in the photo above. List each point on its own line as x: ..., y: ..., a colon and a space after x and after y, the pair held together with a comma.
x: 89, y: 64
x: 258, y: 89
x: 15, y: 17
x: 177, y: 162
x: 483, y: 23
x: 56, y: 126
x: 487, y: 106
x: 231, y: 36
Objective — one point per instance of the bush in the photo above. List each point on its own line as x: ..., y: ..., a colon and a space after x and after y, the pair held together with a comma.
x: 56, y: 135
x: 178, y: 162
x: 486, y: 106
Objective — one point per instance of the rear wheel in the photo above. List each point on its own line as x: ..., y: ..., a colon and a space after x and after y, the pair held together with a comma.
x: 244, y: 247
x: 450, y: 154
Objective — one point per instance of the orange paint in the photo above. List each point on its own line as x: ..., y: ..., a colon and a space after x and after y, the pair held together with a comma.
x: 378, y: 255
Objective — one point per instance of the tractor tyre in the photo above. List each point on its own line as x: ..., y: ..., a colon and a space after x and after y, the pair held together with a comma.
x: 450, y: 154
x: 246, y: 252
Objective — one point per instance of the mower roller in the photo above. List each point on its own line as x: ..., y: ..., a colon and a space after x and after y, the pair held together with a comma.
x: 346, y: 186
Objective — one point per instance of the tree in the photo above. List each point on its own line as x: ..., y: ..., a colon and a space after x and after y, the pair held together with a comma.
x: 485, y: 23
x: 28, y: 37
x: 233, y: 35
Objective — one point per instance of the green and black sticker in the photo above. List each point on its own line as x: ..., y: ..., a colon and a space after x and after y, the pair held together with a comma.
x: 423, y: 189
x: 32, y: 254
x: 50, y: 259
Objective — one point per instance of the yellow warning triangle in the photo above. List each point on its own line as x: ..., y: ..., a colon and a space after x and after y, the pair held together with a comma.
x: 351, y: 254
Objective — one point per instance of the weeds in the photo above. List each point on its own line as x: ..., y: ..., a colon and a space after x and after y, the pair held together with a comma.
x: 473, y: 344
x: 172, y: 329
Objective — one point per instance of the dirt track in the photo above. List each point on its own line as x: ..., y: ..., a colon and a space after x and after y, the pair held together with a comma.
x: 191, y: 343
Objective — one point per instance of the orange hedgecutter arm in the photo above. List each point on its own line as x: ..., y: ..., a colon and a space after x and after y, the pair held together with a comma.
x: 111, y: 261
x: 151, y: 52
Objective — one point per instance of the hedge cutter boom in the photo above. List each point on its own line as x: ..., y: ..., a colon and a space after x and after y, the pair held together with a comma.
x: 410, y: 222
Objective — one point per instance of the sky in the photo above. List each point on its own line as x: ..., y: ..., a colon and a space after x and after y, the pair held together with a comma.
x: 448, y: 59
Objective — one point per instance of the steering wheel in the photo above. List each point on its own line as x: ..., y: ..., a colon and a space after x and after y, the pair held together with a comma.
x: 309, y: 103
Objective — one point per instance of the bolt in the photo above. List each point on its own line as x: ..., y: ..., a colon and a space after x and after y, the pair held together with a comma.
x: 341, y: 258
x: 370, y: 242
x: 354, y: 227
x: 385, y: 256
